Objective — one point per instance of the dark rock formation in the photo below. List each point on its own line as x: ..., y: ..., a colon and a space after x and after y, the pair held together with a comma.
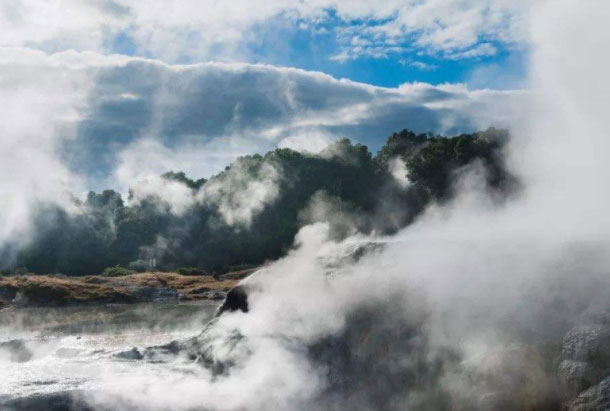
x: 65, y: 401
x: 132, y: 354
x: 576, y: 376
x: 596, y: 398
x: 585, y: 358
x: 588, y: 343
x: 237, y: 299
x: 8, y: 292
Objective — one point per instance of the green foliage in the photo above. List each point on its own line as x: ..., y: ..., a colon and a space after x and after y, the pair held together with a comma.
x: 14, y: 271
x: 190, y: 270
x: 108, y: 200
x: 240, y: 267
x: 116, y: 271
x: 432, y: 166
x: 400, y: 145
x: 182, y: 178
x: 361, y: 190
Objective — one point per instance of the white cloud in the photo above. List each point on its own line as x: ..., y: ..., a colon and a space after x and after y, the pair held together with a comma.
x: 480, y: 50
x: 423, y: 66
x: 312, y: 141
x: 452, y: 29
x: 202, y: 29
x: 146, y: 117
x: 59, y: 24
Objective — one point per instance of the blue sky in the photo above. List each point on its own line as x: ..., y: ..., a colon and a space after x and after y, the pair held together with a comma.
x: 291, y: 42
x: 314, y: 51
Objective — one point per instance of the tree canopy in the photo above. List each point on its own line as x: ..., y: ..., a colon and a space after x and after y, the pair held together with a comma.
x: 250, y: 212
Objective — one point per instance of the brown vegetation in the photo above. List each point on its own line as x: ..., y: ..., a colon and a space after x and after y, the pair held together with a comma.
x: 50, y: 290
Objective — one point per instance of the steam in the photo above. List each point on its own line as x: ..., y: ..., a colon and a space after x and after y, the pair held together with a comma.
x: 470, y: 292
x: 243, y: 191
x: 149, y: 255
x: 398, y: 169
x: 456, y: 307
x: 177, y: 197
x: 40, y: 109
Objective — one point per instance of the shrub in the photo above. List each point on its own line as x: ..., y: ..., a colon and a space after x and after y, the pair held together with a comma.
x: 14, y: 271
x: 240, y: 267
x: 191, y: 271
x: 116, y: 271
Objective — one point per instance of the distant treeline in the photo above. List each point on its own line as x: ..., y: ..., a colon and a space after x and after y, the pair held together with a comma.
x: 344, y: 184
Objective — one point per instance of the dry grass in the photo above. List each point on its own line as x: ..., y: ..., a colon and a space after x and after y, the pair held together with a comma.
x: 59, y: 290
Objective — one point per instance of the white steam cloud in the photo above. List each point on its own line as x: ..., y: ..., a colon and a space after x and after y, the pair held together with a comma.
x: 174, y: 195
x: 483, y: 279
x: 40, y: 108
x: 478, y: 279
x: 243, y: 191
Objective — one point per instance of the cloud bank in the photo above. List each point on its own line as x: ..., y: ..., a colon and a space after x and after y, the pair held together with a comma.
x: 148, y: 109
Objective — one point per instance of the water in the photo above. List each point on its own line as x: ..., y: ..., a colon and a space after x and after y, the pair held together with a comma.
x: 46, y: 351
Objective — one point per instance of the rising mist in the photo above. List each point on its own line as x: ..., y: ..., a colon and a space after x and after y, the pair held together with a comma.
x: 464, y: 309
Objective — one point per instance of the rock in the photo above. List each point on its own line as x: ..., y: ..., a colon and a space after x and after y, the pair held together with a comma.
x: 166, y: 352
x: 237, y: 299
x: 63, y: 401
x: 20, y: 299
x: 576, y: 376
x: 8, y: 292
x: 589, y: 343
x: 132, y: 354
x: 584, y: 362
x: 200, y: 290
x: 596, y: 398
x: 213, y: 295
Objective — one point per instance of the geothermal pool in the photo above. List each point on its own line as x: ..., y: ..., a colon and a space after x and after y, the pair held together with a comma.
x: 53, y: 350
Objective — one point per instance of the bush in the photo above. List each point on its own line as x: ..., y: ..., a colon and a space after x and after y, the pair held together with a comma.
x: 191, y: 271
x: 240, y: 267
x: 116, y: 271
x: 14, y: 271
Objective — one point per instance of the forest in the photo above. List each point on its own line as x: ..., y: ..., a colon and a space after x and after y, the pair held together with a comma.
x: 251, y: 212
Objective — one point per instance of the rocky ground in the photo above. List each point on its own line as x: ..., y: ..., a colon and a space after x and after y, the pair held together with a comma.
x: 58, y: 290
x: 584, y: 369
x: 576, y: 369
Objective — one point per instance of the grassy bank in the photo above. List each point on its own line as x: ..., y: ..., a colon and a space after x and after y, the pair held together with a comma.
x: 50, y: 290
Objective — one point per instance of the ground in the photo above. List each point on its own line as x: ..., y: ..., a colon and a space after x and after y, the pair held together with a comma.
x: 52, y: 290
